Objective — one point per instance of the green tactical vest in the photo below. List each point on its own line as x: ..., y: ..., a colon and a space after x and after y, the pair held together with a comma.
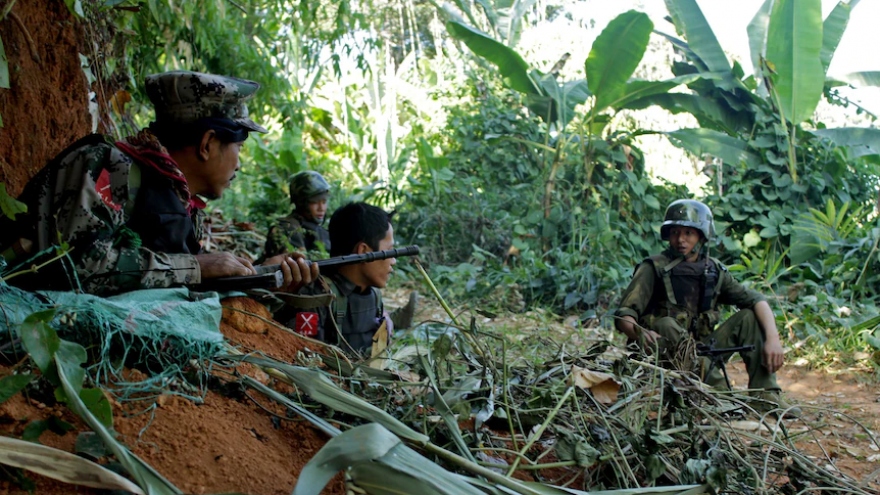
x: 700, y: 324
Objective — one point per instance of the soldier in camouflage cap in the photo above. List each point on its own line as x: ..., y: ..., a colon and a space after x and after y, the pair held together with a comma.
x: 131, y: 211
x: 303, y: 228
x: 183, y: 97
x: 673, y: 300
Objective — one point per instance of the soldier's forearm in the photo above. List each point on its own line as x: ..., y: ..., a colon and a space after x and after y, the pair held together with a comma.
x: 767, y: 321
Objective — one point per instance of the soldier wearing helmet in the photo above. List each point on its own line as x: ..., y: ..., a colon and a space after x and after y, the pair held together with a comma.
x: 131, y: 210
x: 303, y: 228
x: 675, y: 295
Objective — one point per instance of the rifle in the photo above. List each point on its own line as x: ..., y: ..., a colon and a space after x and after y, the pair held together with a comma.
x: 718, y: 356
x: 271, y: 277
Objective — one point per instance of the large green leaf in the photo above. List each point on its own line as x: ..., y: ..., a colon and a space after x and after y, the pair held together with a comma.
x: 509, y: 20
x: 514, y: 70
x: 866, y: 78
x: 637, y: 89
x: 319, y: 387
x: 62, y: 466
x: 707, y: 141
x: 757, y: 30
x: 709, y: 112
x: 39, y: 339
x: 860, y: 140
x: 146, y: 477
x: 379, y: 463
x: 832, y: 30
x: 615, y: 55
x: 689, y: 19
x: 794, y: 45
x: 560, y: 101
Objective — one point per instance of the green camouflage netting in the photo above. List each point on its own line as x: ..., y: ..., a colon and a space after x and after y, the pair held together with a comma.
x: 162, y: 331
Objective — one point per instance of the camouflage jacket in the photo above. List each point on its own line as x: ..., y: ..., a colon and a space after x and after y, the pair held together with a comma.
x: 295, y: 233
x: 646, y: 296
x: 86, y: 197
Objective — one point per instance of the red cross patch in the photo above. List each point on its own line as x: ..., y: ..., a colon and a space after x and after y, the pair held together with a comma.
x: 306, y: 324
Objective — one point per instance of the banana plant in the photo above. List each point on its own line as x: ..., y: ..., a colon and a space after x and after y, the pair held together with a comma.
x: 791, y: 49
x: 608, y: 86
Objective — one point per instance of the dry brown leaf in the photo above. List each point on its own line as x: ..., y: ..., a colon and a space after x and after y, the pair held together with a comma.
x: 602, y: 385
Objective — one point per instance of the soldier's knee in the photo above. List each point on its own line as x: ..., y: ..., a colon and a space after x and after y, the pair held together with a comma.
x: 669, y: 328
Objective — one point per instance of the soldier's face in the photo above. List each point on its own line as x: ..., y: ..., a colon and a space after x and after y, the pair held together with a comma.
x: 377, y: 273
x: 221, y: 168
x: 317, y: 209
x: 683, y: 240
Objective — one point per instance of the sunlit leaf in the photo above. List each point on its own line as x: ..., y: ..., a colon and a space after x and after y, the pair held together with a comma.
x: 688, y: 18
x: 865, y: 78
x: 615, y: 55
x: 514, y: 70
x: 757, y: 30
x: 833, y: 28
x: 707, y: 141
x: 860, y: 140
x: 794, y: 46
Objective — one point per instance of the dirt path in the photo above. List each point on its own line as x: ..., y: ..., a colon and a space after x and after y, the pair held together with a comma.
x: 841, y: 417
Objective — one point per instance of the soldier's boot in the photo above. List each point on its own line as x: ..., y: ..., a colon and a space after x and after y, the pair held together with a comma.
x: 772, y: 401
x: 403, y: 317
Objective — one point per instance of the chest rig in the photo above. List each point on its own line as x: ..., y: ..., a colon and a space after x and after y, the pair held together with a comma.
x: 687, y: 292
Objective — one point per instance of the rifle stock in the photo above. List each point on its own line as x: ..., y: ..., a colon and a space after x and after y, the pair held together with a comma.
x: 270, y: 276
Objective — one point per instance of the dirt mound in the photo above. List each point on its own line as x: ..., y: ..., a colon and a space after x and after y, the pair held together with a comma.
x: 233, y: 442
x: 46, y: 107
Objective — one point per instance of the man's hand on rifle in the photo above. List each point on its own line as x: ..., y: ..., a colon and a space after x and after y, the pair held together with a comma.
x: 297, y: 271
x: 213, y: 265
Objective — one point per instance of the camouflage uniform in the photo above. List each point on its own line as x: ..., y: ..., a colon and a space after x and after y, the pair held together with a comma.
x: 349, y: 321
x: 298, y: 231
x: 88, y: 197
x: 647, y: 300
x: 295, y: 233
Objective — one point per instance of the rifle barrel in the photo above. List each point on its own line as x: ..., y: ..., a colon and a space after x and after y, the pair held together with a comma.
x: 270, y: 276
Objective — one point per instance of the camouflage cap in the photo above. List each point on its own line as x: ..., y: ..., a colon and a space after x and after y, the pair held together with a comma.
x: 185, y: 96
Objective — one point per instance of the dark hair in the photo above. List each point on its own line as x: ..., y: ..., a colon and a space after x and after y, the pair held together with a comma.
x: 357, y: 222
x: 176, y: 136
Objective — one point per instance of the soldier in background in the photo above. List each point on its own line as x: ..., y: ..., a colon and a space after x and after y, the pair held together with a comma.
x: 130, y: 212
x: 356, y: 310
x: 302, y: 230
x: 674, y: 296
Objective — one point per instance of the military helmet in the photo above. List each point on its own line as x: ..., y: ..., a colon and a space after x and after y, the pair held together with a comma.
x: 306, y: 185
x: 688, y: 213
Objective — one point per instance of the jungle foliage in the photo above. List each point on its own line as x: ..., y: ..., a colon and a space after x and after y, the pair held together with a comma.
x: 525, y: 186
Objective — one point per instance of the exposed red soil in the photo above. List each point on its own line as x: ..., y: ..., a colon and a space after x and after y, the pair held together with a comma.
x: 838, y: 406
x: 224, y: 445
x: 46, y: 107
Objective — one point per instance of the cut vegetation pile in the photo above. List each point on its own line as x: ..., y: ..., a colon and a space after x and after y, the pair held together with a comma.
x: 448, y: 408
